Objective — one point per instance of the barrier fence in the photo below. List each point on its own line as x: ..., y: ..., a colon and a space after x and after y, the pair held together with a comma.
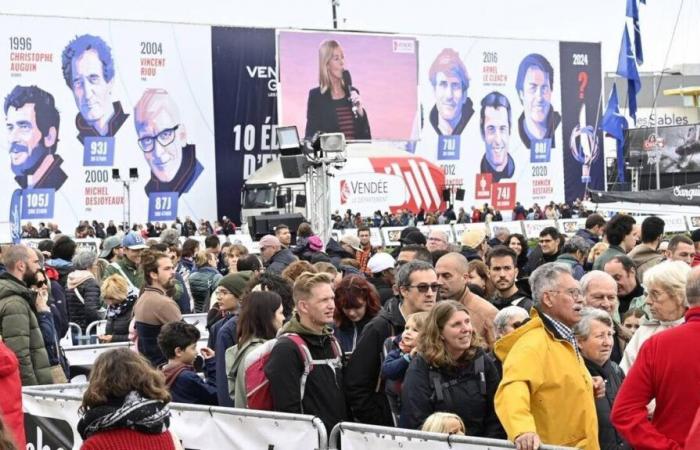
x: 357, y: 436
x: 51, y: 419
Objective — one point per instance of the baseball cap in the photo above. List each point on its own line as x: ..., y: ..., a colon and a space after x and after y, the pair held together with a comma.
x: 380, y: 261
x: 134, y: 241
x: 351, y: 240
x: 269, y: 241
x: 473, y: 237
x: 110, y: 244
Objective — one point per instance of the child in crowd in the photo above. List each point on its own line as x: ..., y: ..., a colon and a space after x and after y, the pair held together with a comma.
x: 632, y: 319
x: 444, y: 422
x: 178, y: 342
x: 398, y: 352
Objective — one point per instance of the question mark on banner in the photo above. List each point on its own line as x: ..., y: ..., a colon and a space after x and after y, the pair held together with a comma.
x: 583, y: 80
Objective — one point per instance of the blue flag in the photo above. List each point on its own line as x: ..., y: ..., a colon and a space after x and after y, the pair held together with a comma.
x: 633, y: 13
x: 627, y: 68
x: 15, y: 216
x: 615, y: 124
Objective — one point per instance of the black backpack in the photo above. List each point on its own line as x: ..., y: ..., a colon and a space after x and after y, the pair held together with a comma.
x: 441, y: 388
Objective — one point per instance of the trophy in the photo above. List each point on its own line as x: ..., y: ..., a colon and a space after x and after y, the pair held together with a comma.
x: 584, y: 145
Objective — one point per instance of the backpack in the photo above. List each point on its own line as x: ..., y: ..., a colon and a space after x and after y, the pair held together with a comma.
x: 257, y: 385
x: 441, y: 389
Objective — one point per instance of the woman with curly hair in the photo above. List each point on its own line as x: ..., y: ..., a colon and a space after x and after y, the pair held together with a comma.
x: 451, y: 373
x: 356, y: 303
x: 125, y: 406
x: 518, y: 243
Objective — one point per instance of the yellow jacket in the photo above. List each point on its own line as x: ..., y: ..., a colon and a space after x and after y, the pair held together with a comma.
x: 545, y: 388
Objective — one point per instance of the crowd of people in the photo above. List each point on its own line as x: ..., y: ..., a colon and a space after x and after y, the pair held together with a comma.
x: 582, y: 341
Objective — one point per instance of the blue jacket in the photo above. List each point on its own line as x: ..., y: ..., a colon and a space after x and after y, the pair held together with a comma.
x: 348, y: 336
x: 396, y: 362
x: 225, y: 338
x: 187, y: 387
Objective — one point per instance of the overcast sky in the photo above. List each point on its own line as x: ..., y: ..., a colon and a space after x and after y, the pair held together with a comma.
x: 584, y: 20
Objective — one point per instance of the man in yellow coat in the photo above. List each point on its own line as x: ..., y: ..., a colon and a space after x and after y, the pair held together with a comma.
x: 546, y: 395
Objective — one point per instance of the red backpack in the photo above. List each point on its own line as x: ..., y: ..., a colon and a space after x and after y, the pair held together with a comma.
x: 257, y: 386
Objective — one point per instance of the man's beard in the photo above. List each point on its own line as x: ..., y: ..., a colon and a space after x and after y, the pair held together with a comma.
x: 33, y: 160
x: 170, y: 287
x: 29, y: 278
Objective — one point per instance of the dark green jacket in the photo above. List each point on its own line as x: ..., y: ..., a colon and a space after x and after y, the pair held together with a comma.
x: 129, y: 269
x: 20, y: 330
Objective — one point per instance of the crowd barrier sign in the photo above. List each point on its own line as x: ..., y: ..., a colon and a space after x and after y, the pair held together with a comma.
x: 51, y: 419
x: 357, y: 436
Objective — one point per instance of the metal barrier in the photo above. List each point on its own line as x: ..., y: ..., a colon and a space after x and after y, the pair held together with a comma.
x: 352, y: 436
x: 51, y: 419
x: 85, y: 355
x: 199, y: 320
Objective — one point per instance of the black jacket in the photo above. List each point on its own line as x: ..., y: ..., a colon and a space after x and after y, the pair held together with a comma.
x: 463, y: 397
x: 336, y: 253
x: 367, y: 403
x: 608, y: 437
x: 323, y: 396
x: 280, y: 260
x: 321, y: 116
x: 470, y: 254
x: 383, y: 289
x: 118, y: 323
x: 537, y: 258
x: 84, y: 313
x: 520, y: 298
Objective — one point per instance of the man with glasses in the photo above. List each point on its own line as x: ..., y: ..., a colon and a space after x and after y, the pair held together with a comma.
x: 163, y: 141
x: 547, y: 251
x: 452, y: 273
x: 418, y: 287
x: 546, y: 395
x: 19, y: 327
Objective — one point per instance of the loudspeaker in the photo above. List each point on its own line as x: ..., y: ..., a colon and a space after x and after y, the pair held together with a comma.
x: 115, y: 174
x: 460, y: 194
x: 281, y: 201
x: 300, y: 201
x: 133, y: 173
x: 293, y: 166
x: 262, y: 225
x: 446, y: 195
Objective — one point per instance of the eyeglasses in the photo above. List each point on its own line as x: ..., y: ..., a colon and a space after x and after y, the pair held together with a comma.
x: 40, y: 284
x: 164, y: 138
x: 573, y: 293
x: 423, y: 287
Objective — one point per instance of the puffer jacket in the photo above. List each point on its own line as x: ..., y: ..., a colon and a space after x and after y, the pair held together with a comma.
x: 20, y: 331
x: 62, y: 267
x: 11, y: 400
x: 89, y: 309
x: 608, y: 436
x: 280, y: 260
x: 546, y: 388
x: 336, y: 252
x: 203, y: 281
x: 365, y: 393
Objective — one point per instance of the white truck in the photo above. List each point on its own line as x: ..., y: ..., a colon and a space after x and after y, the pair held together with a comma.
x: 375, y: 177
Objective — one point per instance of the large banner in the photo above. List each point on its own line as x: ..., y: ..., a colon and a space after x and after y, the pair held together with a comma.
x: 492, y: 117
x: 581, y: 114
x: 82, y: 98
x: 360, y: 84
x: 245, y: 108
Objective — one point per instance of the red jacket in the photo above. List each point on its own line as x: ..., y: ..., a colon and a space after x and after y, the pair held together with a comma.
x: 11, y: 398
x: 693, y: 439
x: 126, y: 439
x: 667, y: 369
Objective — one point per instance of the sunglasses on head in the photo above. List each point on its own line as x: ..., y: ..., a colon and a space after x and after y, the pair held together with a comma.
x: 423, y: 287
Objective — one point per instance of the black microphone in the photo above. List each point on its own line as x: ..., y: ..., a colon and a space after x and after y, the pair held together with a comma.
x: 347, y: 81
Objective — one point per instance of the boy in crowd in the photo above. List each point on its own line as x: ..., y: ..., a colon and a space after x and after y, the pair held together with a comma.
x: 178, y: 342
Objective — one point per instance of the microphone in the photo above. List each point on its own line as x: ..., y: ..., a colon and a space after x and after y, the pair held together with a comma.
x: 347, y: 81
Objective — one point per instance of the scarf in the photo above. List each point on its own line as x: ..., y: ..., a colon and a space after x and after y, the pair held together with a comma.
x: 117, y: 310
x: 135, y: 413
